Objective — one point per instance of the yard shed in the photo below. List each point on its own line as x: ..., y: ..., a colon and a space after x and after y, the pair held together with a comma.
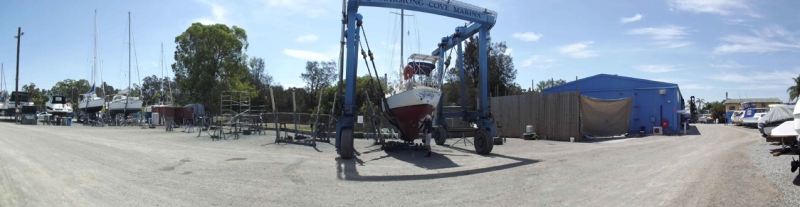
x: 654, y: 102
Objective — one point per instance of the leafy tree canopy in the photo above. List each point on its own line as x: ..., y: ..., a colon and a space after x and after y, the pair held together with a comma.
x: 210, y: 59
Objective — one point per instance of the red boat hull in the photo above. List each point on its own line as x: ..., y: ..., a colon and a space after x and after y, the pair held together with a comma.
x: 408, y: 117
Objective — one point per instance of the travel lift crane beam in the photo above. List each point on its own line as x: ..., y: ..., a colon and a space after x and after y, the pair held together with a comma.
x: 482, y: 21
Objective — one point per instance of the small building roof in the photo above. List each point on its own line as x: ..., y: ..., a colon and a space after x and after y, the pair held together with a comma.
x: 608, y: 82
x: 756, y: 100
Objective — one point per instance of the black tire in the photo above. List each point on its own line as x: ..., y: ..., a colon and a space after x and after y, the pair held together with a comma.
x: 441, y: 135
x: 346, y: 148
x: 483, y: 142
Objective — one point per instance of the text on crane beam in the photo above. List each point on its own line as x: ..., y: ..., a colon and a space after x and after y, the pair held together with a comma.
x: 438, y: 5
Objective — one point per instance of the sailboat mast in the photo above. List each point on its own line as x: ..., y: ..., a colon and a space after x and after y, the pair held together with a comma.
x: 129, y: 52
x: 2, y: 82
x: 127, y: 98
x: 402, y: 26
x: 94, y: 62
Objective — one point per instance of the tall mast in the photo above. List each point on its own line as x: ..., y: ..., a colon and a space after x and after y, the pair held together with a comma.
x: 166, y: 79
x: 129, y: 53
x: 127, y: 96
x: 94, y: 62
x: 162, y: 74
x: 402, y: 26
x: 2, y: 82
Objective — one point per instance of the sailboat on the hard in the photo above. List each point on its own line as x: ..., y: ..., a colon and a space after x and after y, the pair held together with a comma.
x: 91, y: 103
x: 3, y: 106
x: 123, y: 103
x: 417, y: 94
x: 166, y: 90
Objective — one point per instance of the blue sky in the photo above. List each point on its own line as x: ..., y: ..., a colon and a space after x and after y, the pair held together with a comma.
x: 708, y: 47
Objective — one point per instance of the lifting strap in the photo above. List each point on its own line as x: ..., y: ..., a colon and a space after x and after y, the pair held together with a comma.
x: 380, y: 93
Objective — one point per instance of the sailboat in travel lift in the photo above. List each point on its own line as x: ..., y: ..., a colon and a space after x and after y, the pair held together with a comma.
x: 91, y: 103
x: 125, y: 104
x: 418, y: 93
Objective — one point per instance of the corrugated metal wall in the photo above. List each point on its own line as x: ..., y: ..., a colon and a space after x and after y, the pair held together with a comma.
x: 647, y: 101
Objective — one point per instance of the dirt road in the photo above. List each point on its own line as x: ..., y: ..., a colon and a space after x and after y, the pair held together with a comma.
x: 86, y: 166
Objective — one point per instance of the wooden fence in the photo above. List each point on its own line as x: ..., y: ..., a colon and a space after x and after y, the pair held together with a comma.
x: 553, y: 116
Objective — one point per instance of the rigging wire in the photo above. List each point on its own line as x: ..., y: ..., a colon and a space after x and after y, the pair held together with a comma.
x: 100, y: 60
x: 386, y: 62
x: 416, y: 28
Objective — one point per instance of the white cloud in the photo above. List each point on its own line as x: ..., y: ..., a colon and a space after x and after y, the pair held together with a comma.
x: 696, y: 86
x: 670, y: 80
x: 509, y: 51
x: 735, y: 21
x: 538, y: 59
x: 773, y: 30
x: 527, y: 37
x: 656, y: 68
x: 310, y: 8
x: 546, y: 66
x: 745, y: 44
x: 728, y: 64
x: 669, y: 36
x: 719, y: 7
x: 760, y: 87
x: 770, y: 39
x: 218, y: 13
x: 307, y: 55
x: 758, y: 77
x: 625, y: 20
x: 306, y: 38
x: 578, y: 50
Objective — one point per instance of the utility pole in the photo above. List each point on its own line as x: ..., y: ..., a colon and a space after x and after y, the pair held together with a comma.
x: 16, y: 86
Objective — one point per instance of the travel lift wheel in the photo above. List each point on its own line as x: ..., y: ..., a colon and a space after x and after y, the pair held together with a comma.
x: 483, y: 142
x: 346, y: 148
x: 441, y: 135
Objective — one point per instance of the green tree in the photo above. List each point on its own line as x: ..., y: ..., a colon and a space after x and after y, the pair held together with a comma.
x: 549, y: 83
x: 501, y: 74
x: 260, y: 78
x: 210, y: 59
x: 74, y: 90
x: 716, y: 108
x: 794, y: 91
x: 38, y: 96
x: 318, y: 75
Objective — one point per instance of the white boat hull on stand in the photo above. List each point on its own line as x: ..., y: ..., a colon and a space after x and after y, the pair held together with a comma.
x: 93, y: 106
x: 409, y: 107
x: 134, y: 106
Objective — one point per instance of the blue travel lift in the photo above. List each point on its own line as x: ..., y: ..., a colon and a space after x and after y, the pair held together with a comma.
x: 481, y: 21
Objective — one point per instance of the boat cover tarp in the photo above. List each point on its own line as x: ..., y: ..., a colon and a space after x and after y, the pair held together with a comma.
x: 199, y: 109
x: 422, y: 68
x: 778, y: 114
x: 605, y: 117
x: 786, y: 129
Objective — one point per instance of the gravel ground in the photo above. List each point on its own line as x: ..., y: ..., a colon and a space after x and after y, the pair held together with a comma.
x: 87, y: 166
x: 776, y: 169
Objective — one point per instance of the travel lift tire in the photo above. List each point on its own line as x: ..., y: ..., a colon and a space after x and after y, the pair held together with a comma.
x: 484, y: 142
x: 346, y: 148
x: 441, y: 135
